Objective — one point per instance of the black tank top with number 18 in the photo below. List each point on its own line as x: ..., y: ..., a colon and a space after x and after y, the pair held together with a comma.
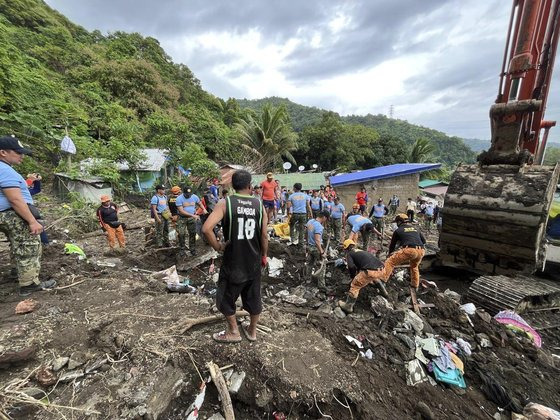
x: 242, y: 229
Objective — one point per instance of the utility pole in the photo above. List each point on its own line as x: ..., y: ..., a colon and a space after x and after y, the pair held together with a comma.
x: 391, y: 111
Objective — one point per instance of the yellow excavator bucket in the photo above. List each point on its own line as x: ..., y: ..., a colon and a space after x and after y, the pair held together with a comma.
x: 494, y: 217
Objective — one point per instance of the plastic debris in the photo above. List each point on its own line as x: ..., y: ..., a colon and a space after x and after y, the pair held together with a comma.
x: 340, y: 262
x: 415, y: 373
x: 464, y: 346
x: 168, y: 275
x: 354, y: 341
x: 514, y: 322
x: 195, y: 406
x: 430, y: 345
x: 537, y: 412
x: 74, y: 249
x: 468, y: 308
x: 236, y: 381
x: 275, y: 267
x: 414, y: 321
x: 450, y: 376
x: 26, y: 306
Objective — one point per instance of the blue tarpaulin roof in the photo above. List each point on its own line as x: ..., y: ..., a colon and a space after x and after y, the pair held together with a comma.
x: 381, y: 172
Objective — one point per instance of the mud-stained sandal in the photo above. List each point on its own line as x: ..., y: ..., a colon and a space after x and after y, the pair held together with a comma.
x: 244, y: 328
x: 221, y: 337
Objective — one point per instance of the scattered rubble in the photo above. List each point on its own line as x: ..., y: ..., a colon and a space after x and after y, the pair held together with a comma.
x: 120, y: 345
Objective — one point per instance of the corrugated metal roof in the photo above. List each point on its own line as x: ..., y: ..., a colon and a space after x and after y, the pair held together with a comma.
x: 425, y: 183
x: 382, y: 172
x: 436, y: 190
x: 155, y: 159
x: 309, y: 181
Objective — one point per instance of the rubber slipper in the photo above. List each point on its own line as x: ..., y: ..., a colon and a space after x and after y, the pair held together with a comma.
x: 244, y: 328
x: 221, y: 337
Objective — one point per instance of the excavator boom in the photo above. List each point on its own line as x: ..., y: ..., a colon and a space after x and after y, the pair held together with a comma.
x: 495, y: 213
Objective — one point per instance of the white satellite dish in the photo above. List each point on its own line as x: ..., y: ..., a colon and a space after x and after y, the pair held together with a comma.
x: 315, y: 166
x: 301, y: 168
x: 287, y: 165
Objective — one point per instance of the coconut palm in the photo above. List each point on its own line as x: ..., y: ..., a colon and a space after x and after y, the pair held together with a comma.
x: 268, y: 137
x: 422, y: 151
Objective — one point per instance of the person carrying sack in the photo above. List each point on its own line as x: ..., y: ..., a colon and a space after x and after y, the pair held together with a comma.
x: 107, y: 214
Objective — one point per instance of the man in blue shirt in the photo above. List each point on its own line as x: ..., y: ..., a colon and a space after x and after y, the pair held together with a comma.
x: 377, y: 214
x: 394, y: 205
x: 18, y: 219
x: 429, y: 215
x: 214, y: 189
x: 359, y: 224
x: 161, y: 215
x: 299, y: 208
x: 187, y: 204
x: 316, y: 203
x: 338, y: 213
x: 315, y: 250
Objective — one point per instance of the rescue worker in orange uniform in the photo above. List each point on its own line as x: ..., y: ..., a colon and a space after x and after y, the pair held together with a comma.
x: 411, y: 249
x: 107, y: 214
x: 365, y: 268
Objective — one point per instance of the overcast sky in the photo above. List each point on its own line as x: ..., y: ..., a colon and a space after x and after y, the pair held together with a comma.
x: 436, y: 61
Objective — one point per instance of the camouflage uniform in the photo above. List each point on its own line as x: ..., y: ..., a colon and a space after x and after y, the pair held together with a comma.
x: 25, y: 247
x: 297, y: 225
x: 313, y: 261
x: 186, y: 226
x: 162, y: 232
x: 335, y: 226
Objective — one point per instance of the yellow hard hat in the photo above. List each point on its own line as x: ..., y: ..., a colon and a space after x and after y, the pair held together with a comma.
x: 347, y: 243
x: 401, y: 217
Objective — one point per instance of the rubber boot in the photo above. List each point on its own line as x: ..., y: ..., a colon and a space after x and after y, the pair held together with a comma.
x: 348, y: 305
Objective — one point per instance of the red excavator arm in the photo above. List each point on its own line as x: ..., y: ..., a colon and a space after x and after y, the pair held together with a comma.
x: 517, y: 116
x: 495, y: 213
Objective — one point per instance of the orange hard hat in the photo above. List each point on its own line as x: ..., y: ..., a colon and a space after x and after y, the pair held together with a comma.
x: 104, y: 198
x: 176, y: 189
x: 356, y: 206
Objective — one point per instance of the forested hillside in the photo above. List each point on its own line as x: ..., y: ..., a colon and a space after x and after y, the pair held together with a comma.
x: 112, y: 93
x: 449, y: 150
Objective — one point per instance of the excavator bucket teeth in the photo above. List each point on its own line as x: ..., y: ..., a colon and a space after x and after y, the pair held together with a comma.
x: 494, y: 217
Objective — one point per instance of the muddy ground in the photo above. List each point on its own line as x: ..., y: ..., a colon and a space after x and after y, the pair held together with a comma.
x: 119, y: 328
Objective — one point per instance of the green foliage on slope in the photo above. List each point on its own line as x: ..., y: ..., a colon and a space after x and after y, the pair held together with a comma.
x: 114, y: 94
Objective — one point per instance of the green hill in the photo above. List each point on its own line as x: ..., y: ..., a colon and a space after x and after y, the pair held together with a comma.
x: 114, y: 93
x: 449, y: 150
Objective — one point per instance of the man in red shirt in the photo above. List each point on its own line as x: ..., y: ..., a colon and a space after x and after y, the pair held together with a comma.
x: 362, y: 200
x: 269, y: 193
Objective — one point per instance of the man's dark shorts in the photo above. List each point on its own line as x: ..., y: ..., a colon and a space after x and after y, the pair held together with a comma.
x: 268, y: 204
x: 363, y: 208
x: 227, y: 294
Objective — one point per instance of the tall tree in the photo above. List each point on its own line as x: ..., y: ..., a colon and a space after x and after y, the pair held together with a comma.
x: 268, y: 136
x: 422, y: 151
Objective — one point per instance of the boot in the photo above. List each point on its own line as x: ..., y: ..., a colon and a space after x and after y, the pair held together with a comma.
x: 348, y: 305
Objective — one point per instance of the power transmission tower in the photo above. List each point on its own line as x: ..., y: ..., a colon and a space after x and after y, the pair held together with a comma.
x: 391, y: 111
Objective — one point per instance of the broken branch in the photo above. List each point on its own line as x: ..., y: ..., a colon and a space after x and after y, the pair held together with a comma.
x: 221, y: 386
x: 188, y: 323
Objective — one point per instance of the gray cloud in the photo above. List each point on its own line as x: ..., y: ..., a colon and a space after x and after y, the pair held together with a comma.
x: 461, y: 81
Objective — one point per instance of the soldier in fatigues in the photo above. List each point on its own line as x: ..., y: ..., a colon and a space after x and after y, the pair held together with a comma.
x: 187, y: 203
x: 162, y: 216
x: 18, y: 218
x: 245, y: 249
x: 315, y: 250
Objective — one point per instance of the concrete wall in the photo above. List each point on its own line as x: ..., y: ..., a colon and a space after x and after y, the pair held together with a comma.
x: 403, y: 186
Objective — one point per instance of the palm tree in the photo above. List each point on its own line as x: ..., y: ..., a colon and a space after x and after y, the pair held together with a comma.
x: 268, y: 137
x: 421, y: 151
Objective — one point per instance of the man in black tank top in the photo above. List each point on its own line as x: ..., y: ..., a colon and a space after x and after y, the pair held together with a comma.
x: 245, y: 248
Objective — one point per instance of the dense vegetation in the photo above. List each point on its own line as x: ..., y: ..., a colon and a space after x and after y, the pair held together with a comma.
x: 448, y: 150
x: 114, y: 94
